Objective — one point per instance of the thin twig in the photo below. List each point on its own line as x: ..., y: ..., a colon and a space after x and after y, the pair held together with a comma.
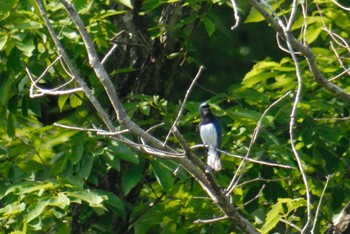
x: 246, y: 158
x: 319, y: 203
x: 292, y: 122
x: 291, y: 225
x: 341, y: 6
x: 98, y: 131
x: 236, y: 177
x: 114, y: 47
x: 235, y: 13
x: 213, y: 220
x: 256, y: 197
x: 201, y: 68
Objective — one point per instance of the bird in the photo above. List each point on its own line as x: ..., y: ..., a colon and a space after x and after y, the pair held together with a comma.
x: 210, y: 133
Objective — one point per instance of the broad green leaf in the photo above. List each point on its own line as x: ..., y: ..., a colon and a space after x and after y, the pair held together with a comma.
x: 62, y: 99
x: 77, y: 153
x: 123, y: 152
x: 164, y: 177
x: 61, y: 201
x: 293, y: 204
x: 3, y: 40
x: 30, y: 25
x: 250, y: 81
x: 111, y: 160
x: 5, y: 90
x: 17, y: 232
x: 76, y: 99
x: 29, y: 187
x: 132, y: 177
x: 10, y: 128
x: 111, y: 13
x: 7, y: 5
x: 36, y: 209
x: 12, y: 209
x: 93, y: 199
x: 313, y: 33
x: 272, y: 218
x: 209, y: 25
x: 254, y: 16
x: 86, y: 166
x: 26, y: 46
x: 113, y: 202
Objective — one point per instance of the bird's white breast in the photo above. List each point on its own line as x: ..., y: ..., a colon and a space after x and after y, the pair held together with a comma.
x: 209, y: 135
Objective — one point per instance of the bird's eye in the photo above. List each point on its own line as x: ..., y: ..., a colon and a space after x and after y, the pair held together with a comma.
x: 204, y: 105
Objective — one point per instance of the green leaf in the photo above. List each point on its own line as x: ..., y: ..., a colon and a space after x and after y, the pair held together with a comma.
x: 293, y: 204
x: 254, y: 16
x: 3, y: 41
x: 11, y: 209
x: 36, y: 209
x: 77, y: 153
x: 164, y: 177
x: 313, y: 33
x: 62, y: 99
x: 123, y: 152
x: 110, y: 13
x: 7, y: 5
x: 10, y: 128
x: 272, y: 218
x: 86, y: 166
x: 30, y: 25
x: 5, y: 90
x: 209, y: 25
x: 92, y: 198
x: 132, y: 177
x: 61, y: 201
x: 26, y: 46
x: 76, y: 99
x: 126, y: 3
x: 111, y: 160
x: 113, y: 202
x: 29, y: 187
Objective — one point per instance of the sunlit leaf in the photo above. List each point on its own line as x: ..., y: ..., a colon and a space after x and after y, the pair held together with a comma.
x: 36, y: 209
x: 272, y: 218
x: 90, y: 197
x: 126, y: 3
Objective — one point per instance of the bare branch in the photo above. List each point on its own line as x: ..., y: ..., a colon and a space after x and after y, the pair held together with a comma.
x: 235, y: 13
x: 291, y: 225
x: 213, y: 220
x: 256, y: 197
x: 319, y: 203
x: 341, y: 6
x: 201, y: 68
x: 98, y: 131
x: 110, y: 52
x: 292, y: 122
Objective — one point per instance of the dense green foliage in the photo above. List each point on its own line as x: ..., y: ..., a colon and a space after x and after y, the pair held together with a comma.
x: 57, y: 180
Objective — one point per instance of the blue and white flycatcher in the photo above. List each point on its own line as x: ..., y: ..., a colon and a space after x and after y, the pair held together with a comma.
x: 210, y: 132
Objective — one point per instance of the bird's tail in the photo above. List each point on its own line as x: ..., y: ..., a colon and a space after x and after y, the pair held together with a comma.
x: 214, y: 159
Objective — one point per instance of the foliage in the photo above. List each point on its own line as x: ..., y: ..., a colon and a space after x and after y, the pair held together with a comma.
x: 56, y: 180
